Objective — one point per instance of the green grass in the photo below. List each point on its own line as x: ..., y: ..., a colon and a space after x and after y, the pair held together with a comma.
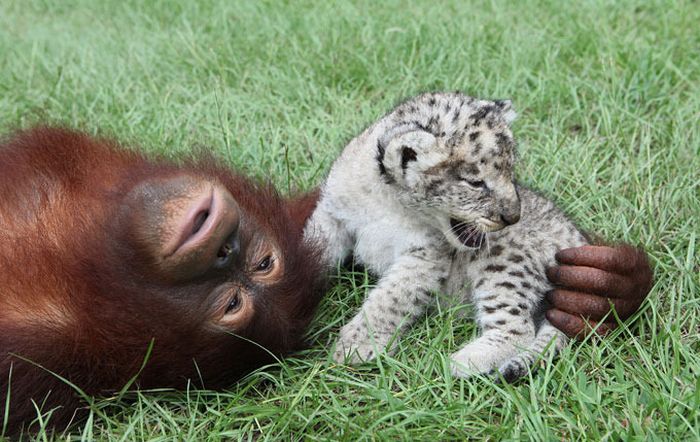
x: 609, y: 101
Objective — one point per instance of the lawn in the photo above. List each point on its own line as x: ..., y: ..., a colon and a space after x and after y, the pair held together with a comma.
x: 609, y: 100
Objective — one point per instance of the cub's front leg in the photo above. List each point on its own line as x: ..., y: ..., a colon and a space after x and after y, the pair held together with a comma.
x: 401, y: 295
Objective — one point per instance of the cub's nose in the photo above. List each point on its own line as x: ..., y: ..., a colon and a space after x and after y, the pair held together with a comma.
x: 510, y: 218
x: 510, y: 214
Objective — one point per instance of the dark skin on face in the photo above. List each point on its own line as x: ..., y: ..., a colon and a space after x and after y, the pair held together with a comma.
x: 192, y: 229
x: 105, y: 253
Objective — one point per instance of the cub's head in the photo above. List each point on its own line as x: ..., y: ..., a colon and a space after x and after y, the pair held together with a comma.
x: 451, y: 158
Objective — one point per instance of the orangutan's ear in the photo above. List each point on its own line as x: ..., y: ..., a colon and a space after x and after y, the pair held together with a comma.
x: 301, y: 207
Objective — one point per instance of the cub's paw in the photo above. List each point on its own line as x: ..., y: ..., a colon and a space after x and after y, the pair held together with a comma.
x: 469, y: 362
x: 478, y: 358
x: 356, y: 345
x: 511, y: 370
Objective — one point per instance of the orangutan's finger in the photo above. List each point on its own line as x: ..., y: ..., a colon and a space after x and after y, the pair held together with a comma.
x: 590, y: 280
x: 575, y: 326
x: 590, y: 306
x: 620, y: 259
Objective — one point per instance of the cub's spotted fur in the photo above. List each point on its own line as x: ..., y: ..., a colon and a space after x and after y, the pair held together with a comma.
x: 425, y: 198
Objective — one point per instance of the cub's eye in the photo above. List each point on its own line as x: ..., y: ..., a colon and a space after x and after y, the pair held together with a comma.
x: 265, y: 265
x: 478, y: 184
x: 234, y: 304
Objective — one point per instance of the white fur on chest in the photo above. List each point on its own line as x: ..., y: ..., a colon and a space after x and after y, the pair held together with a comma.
x: 380, y: 226
x: 379, y: 243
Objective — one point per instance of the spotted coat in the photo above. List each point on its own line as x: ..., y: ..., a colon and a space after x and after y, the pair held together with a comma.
x: 426, y: 199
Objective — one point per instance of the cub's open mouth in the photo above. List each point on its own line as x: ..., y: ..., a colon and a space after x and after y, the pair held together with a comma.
x: 468, y: 234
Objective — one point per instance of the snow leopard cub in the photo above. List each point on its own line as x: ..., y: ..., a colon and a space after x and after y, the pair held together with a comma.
x: 425, y: 198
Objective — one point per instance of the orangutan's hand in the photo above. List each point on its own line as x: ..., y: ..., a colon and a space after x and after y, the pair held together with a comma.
x: 592, y: 279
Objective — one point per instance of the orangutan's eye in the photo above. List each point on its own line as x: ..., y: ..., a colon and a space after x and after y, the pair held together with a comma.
x: 265, y: 265
x: 234, y: 304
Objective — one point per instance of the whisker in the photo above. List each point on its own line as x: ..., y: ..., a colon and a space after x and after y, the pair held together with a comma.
x: 457, y: 226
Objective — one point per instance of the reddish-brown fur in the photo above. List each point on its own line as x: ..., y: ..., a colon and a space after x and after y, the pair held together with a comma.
x: 80, y: 298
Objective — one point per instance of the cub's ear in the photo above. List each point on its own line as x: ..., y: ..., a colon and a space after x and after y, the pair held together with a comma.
x: 506, y: 109
x: 404, y: 148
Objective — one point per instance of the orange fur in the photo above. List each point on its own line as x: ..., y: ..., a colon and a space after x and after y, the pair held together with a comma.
x: 77, y: 299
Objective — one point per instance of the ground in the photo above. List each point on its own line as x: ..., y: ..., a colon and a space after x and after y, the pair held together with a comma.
x: 609, y: 101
